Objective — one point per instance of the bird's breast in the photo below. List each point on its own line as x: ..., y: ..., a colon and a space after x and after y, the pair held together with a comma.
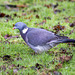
x: 39, y: 48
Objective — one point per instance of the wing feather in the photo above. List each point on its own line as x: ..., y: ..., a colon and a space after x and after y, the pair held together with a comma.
x: 40, y: 37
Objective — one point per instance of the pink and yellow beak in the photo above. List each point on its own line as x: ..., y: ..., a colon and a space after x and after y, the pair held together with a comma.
x: 14, y: 28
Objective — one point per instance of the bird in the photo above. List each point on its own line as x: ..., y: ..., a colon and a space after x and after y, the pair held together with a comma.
x: 40, y: 40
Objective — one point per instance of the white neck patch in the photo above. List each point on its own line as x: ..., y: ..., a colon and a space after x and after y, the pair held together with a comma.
x: 24, y: 30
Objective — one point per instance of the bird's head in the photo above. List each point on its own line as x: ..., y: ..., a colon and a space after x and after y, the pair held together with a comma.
x: 21, y: 26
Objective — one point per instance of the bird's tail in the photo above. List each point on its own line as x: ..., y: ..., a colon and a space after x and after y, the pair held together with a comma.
x: 67, y: 41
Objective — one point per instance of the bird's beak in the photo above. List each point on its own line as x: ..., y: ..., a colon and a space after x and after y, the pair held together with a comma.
x: 14, y: 28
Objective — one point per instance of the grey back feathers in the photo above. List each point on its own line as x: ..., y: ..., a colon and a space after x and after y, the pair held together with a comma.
x: 39, y: 36
x: 40, y: 39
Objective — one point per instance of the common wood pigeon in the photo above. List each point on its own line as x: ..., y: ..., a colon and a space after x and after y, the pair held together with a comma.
x: 40, y: 39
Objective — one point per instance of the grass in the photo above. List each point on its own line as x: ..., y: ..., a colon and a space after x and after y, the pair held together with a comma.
x: 20, y: 53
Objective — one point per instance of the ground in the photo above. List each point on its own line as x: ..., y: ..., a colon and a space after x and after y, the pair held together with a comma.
x: 16, y: 58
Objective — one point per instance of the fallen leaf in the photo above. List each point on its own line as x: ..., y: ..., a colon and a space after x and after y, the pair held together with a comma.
x: 58, y: 66
x: 6, y: 57
x: 55, y: 6
x: 44, y: 21
x: 8, y: 16
x: 72, y: 24
x: 38, y: 66
x: 64, y: 51
x: 57, y: 10
x: 58, y: 27
x: 28, y: 17
x: 15, y: 6
x: 37, y: 16
x: 15, y: 14
x: 2, y: 14
x: 7, y: 36
x: 57, y: 73
x: 47, y: 18
x: 65, y: 58
x: 48, y: 6
x: 22, y: 6
x: 72, y: 0
x: 34, y: 10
